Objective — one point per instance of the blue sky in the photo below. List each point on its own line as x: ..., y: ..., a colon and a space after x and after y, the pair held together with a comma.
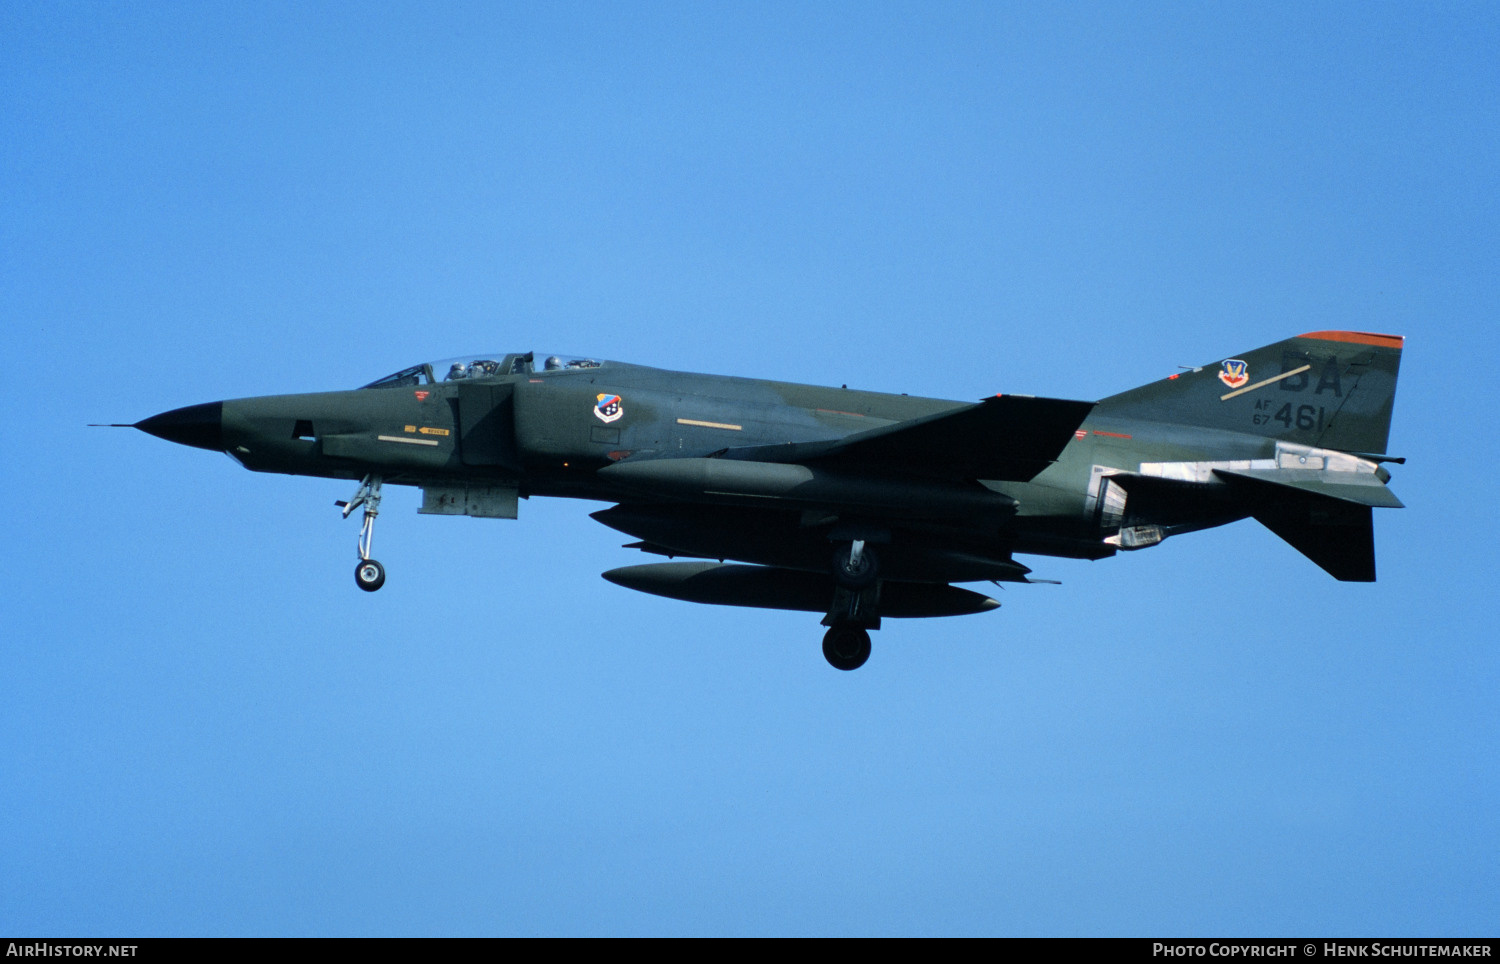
x: 207, y: 729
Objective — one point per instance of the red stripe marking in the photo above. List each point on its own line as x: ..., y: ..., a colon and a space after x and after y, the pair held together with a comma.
x: 1112, y: 434
x: 1358, y: 338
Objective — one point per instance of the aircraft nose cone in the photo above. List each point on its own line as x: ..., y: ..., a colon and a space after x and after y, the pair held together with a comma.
x: 201, y: 426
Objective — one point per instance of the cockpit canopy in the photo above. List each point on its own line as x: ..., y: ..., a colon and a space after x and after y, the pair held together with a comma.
x: 481, y: 365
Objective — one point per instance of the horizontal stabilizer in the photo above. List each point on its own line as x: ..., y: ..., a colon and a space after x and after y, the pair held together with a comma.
x: 767, y: 587
x: 1357, y: 487
x: 1335, y: 533
x: 1003, y: 438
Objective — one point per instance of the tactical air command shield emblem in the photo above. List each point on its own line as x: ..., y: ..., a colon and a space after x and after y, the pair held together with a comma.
x: 608, y: 408
x: 1235, y: 373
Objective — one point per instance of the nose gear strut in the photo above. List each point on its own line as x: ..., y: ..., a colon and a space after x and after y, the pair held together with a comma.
x: 369, y: 575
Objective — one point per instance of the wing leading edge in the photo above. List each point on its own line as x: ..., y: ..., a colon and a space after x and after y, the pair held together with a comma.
x: 1003, y: 438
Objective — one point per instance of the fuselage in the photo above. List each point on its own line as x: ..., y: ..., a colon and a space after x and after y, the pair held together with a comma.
x: 637, y: 435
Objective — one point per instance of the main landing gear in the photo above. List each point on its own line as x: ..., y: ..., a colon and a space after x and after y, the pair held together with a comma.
x: 369, y: 575
x: 855, y: 565
x: 855, y: 609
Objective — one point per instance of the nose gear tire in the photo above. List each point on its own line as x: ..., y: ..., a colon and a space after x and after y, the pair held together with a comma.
x: 369, y: 575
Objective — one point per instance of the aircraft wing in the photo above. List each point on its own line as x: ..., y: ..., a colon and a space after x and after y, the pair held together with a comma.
x: 1004, y: 438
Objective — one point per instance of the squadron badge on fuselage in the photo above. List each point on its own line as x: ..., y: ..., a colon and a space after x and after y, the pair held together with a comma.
x: 1235, y: 373
x: 608, y: 408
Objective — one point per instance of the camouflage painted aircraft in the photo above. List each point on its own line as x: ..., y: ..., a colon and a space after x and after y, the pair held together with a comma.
x: 853, y: 504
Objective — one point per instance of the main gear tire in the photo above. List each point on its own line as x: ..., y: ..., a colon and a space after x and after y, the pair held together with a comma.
x: 846, y: 647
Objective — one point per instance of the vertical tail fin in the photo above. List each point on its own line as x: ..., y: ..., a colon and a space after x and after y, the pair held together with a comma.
x: 1330, y: 389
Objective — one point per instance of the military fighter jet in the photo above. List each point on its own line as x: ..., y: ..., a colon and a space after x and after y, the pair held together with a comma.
x: 854, y: 504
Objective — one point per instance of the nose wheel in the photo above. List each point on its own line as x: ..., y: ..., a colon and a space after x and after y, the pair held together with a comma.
x: 369, y: 575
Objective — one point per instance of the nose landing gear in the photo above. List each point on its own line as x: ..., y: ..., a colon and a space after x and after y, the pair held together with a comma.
x: 369, y: 575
